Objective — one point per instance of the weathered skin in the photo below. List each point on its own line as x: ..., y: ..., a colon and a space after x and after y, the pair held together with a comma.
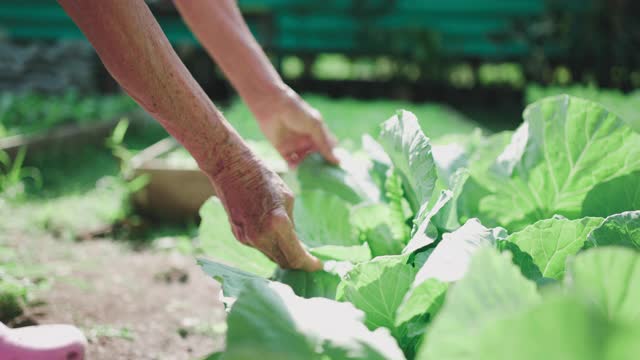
x: 292, y: 126
x: 138, y: 55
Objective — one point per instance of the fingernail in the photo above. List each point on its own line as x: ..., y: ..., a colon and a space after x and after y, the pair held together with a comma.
x: 334, y: 154
x: 315, y: 264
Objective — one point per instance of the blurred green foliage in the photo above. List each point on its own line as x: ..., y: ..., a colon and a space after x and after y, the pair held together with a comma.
x: 83, y: 190
x: 12, y: 174
x: 16, y: 286
x: 31, y: 112
x: 350, y: 118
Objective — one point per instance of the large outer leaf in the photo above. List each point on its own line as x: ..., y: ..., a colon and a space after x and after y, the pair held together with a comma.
x: 614, y: 196
x: 476, y: 186
x: 498, y: 320
x: 377, y: 288
x: 425, y: 231
x: 349, y: 181
x: 619, y: 229
x: 380, y: 162
x: 565, y: 147
x: 324, y: 219
x: 609, y: 280
x: 324, y: 223
x: 452, y: 256
x: 623, y: 339
x: 549, y: 242
x: 270, y: 322
x: 487, y: 150
x: 231, y: 279
x: 625, y: 105
x: 448, y: 218
x: 523, y: 260
x: 218, y: 242
x: 309, y: 284
x: 447, y: 263
x: 353, y: 254
x: 425, y: 298
x: 492, y: 289
x: 410, y: 152
x: 560, y: 328
x: 448, y: 159
x: 385, y: 233
x: 321, y: 283
x: 455, y: 151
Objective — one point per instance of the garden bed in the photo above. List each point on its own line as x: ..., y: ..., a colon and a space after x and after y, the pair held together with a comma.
x: 67, y: 136
x: 176, y: 189
x: 172, y: 193
x: 39, y: 121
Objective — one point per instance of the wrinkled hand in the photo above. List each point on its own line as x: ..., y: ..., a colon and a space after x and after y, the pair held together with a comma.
x: 260, y: 209
x: 295, y: 128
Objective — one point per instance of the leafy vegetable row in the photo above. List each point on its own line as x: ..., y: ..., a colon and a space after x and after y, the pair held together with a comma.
x: 517, y: 245
x: 28, y: 113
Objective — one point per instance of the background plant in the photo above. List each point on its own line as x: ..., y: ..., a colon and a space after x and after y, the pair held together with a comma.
x: 13, y: 174
x: 28, y: 113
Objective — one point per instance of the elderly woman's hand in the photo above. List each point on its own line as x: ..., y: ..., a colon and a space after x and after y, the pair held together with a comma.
x: 294, y: 127
x: 260, y: 209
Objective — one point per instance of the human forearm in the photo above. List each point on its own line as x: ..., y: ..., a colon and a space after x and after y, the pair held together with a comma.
x: 220, y: 28
x: 293, y: 127
x: 136, y: 52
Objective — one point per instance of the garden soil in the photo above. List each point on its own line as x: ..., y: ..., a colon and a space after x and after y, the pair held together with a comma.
x: 130, y: 304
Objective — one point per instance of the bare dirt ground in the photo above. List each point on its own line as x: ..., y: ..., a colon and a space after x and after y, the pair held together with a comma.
x: 130, y: 304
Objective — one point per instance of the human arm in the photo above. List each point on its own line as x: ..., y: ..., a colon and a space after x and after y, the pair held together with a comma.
x: 293, y: 126
x: 136, y: 52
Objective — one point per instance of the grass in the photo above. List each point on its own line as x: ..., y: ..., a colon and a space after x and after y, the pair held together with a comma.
x: 13, y: 291
x: 106, y: 331
x: 81, y: 192
x: 17, y: 284
x: 29, y: 113
x: 349, y: 118
x: 78, y: 192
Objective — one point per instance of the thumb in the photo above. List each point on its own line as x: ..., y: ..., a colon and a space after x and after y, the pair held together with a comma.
x: 291, y: 247
x: 324, y: 142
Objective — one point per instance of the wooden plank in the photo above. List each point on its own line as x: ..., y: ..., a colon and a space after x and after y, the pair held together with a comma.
x: 19, y: 12
x: 344, y: 24
x: 496, y: 7
x: 65, y: 136
x: 465, y: 27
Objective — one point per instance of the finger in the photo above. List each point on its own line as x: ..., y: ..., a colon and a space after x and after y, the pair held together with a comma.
x: 296, y: 156
x: 324, y: 143
x: 299, y: 157
x: 275, y: 253
x: 296, y: 142
x: 297, y: 257
x: 268, y: 245
x: 293, y: 159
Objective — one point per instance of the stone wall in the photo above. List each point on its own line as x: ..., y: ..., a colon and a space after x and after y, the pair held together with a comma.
x: 50, y: 67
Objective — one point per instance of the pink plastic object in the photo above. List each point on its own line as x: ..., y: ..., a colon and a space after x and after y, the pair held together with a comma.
x: 42, y: 342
